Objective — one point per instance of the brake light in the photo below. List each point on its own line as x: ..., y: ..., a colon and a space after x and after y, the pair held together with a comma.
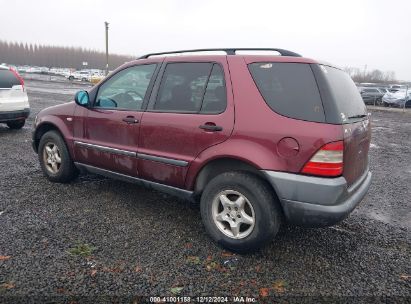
x: 18, y: 77
x: 328, y: 161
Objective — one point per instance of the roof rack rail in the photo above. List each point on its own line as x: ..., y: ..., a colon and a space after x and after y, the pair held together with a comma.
x: 228, y: 51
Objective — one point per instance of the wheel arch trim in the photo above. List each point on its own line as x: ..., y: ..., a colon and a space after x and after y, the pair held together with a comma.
x: 52, y: 123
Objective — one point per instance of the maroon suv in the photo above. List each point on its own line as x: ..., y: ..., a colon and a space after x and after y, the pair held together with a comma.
x: 257, y: 139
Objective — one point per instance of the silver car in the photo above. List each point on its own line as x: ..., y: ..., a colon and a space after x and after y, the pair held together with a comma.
x: 397, y: 99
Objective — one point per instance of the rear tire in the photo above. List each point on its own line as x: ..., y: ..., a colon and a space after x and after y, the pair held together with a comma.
x: 258, y: 220
x: 16, y: 124
x: 55, y: 160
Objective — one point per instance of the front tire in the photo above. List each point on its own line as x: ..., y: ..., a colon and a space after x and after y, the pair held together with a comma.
x: 16, y: 124
x: 55, y: 159
x: 240, y: 211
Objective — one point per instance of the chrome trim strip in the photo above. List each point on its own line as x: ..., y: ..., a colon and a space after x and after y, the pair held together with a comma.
x: 185, y: 194
x: 170, y: 161
x: 105, y: 149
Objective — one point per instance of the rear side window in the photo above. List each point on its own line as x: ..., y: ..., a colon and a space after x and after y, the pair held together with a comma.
x: 344, y: 92
x: 8, y: 79
x: 182, y: 87
x: 289, y: 89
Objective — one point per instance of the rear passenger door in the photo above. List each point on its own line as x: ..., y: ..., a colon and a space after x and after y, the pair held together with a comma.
x: 191, y: 109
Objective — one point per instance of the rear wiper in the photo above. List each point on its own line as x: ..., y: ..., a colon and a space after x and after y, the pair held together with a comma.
x: 358, y: 116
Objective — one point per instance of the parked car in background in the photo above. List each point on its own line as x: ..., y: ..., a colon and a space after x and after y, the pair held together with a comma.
x: 34, y: 70
x: 372, y: 95
x: 295, y: 148
x: 397, y: 87
x: 399, y: 98
x: 14, y: 104
x: 96, y: 78
x: 22, y: 69
x: 79, y: 75
x: 384, y: 90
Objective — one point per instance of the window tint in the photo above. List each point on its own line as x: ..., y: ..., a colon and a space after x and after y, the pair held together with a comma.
x: 345, y: 94
x: 126, y: 89
x: 289, y: 89
x: 8, y: 79
x: 215, y: 97
x: 182, y: 87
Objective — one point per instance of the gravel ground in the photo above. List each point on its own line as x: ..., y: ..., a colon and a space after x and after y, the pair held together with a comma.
x: 101, y: 237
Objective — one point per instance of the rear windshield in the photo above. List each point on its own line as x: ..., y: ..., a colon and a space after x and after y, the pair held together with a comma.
x: 289, y: 89
x: 345, y: 94
x: 8, y: 79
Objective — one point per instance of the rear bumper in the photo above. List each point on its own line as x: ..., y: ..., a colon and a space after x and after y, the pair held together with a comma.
x: 6, y: 116
x: 317, y: 202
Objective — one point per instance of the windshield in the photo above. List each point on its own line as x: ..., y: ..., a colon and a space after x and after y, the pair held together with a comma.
x: 345, y: 94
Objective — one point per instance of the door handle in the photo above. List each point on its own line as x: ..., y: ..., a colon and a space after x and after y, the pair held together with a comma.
x: 130, y: 120
x: 211, y: 128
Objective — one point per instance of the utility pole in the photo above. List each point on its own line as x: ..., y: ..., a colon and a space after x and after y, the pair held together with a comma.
x: 106, y: 25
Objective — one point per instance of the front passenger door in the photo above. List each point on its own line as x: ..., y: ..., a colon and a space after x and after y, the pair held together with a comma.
x: 112, y: 124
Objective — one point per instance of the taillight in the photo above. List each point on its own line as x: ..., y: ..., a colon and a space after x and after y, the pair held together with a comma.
x: 18, y: 77
x: 328, y: 161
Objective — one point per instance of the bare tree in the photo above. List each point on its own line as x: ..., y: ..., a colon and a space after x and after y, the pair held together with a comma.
x: 373, y: 76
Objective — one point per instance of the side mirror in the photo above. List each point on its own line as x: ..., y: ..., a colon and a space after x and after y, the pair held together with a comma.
x: 82, y: 99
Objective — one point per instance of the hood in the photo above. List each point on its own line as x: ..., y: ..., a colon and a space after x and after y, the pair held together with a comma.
x: 62, y: 110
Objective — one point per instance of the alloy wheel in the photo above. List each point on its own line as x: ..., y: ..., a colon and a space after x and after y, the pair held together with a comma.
x: 52, y: 157
x: 233, y: 214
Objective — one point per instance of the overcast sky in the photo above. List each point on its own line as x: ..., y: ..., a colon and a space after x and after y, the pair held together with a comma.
x: 375, y: 33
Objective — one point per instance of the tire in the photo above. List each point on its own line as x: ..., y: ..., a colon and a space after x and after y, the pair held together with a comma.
x: 260, y: 204
x: 16, y: 124
x: 70, y: 78
x: 61, y: 168
x: 386, y: 104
